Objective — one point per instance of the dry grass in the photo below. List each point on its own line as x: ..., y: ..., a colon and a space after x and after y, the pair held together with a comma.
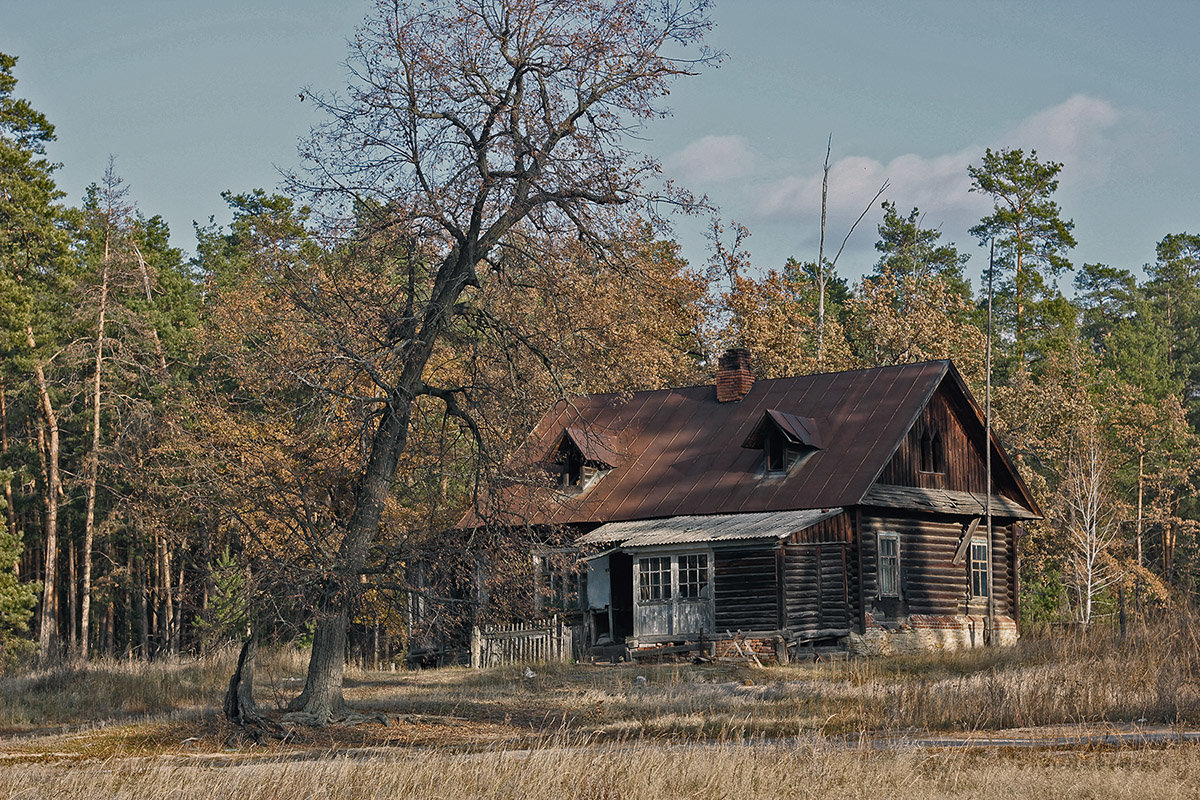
x: 810, y: 769
x: 1152, y: 676
x: 116, y: 689
x: 151, y: 730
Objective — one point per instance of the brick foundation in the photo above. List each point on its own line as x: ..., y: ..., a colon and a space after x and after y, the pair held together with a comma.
x: 921, y: 633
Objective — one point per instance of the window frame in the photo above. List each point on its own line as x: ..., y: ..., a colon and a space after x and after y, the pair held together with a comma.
x: 560, y: 584
x: 648, y: 588
x: 979, y: 568
x: 887, y: 564
x: 933, y: 452
x: 693, y: 577
x: 685, y: 577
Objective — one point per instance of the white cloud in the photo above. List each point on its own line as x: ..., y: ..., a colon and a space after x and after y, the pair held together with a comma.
x: 1087, y: 134
x: 1084, y: 133
x: 712, y: 158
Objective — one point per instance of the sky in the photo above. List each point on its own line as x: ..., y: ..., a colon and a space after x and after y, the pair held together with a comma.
x: 195, y: 98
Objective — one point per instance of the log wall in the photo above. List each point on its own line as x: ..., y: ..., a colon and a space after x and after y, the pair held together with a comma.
x: 930, y: 583
x: 746, y: 589
x: 965, y: 469
x: 820, y: 586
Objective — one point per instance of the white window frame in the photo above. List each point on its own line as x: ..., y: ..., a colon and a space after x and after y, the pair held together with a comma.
x: 976, y: 567
x: 884, y: 567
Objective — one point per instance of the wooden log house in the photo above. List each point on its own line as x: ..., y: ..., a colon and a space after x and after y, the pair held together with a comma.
x: 844, y: 508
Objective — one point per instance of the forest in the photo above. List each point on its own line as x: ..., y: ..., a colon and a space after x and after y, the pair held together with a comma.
x: 265, y: 434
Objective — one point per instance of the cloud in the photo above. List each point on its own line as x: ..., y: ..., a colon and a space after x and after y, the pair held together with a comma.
x: 1085, y: 133
x: 711, y: 159
x: 941, y: 181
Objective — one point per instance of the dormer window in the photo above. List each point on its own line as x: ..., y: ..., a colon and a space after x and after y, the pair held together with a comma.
x: 785, y: 440
x: 933, y: 452
x: 571, y: 461
x: 778, y: 454
x: 581, y: 458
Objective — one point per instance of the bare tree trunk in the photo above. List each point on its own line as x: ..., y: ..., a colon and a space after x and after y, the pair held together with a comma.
x: 130, y: 599
x: 93, y: 465
x: 821, y: 260
x: 48, y: 628
x: 177, y: 619
x: 166, y: 631
x: 1141, y: 560
x: 158, y: 348
x: 143, y: 609
x: 72, y: 599
x: 322, y: 697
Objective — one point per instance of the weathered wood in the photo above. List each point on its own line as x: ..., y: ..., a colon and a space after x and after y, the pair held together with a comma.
x: 744, y: 585
x: 521, y: 642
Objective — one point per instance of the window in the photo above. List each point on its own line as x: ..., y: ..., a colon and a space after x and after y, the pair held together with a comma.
x: 572, y: 467
x: 889, y: 565
x: 933, y: 455
x: 693, y: 575
x: 980, y: 568
x: 781, y: 456
x: 561, y: 584
x: 654, y: 578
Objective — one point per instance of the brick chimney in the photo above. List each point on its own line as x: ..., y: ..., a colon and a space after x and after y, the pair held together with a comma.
x: 734, y: 375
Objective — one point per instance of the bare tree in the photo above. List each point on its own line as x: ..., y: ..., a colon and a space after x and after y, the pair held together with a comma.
x: 822, y: 275
x: 472, y: 129
x: 1091, y: 520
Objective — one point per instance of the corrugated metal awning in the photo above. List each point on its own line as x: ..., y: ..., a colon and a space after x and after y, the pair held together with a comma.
x: 707, y: 529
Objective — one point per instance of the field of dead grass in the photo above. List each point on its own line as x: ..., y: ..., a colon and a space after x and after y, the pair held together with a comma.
x: 125, y: 729
x: 806, y: 769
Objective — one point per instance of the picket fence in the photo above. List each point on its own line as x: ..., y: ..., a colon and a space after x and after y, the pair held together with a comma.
x: 521, y: 642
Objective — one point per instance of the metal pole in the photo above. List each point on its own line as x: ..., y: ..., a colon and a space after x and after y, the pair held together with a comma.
x: 987, y: 424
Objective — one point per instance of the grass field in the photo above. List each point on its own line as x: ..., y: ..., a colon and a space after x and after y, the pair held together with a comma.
x: 122, y: 729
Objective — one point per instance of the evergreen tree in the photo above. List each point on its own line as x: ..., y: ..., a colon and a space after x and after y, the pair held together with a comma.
x: 17, y: 599
x: 34, y: 284
x: 1106, y: 296
x: 908, y: 249
x: 1027, y: 225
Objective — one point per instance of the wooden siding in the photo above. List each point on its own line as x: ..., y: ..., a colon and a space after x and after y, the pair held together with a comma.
x: 746, y: 589
x: 836, y: 529
x: 964, y: 462
x: 930, y: 583
x: 820, y: 586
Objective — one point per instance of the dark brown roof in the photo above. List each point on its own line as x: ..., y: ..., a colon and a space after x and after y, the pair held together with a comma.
x: 681, y: 453
x: 799, y: 430
x: 594, y: 446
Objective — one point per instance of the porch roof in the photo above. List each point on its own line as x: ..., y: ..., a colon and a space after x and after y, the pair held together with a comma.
x: 706, y: 529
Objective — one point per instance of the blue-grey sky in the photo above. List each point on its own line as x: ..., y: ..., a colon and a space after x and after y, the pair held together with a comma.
x: 195, y: 98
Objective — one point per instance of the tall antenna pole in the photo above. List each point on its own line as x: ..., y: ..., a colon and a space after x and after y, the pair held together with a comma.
x: 987, y: 426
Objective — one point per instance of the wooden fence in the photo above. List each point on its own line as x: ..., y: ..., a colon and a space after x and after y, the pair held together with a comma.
x: 521, y: 642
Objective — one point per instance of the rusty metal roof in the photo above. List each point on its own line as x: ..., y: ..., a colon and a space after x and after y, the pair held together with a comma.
x: 681, y: 453
x: 803, y: 431
x: 707, y: 530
